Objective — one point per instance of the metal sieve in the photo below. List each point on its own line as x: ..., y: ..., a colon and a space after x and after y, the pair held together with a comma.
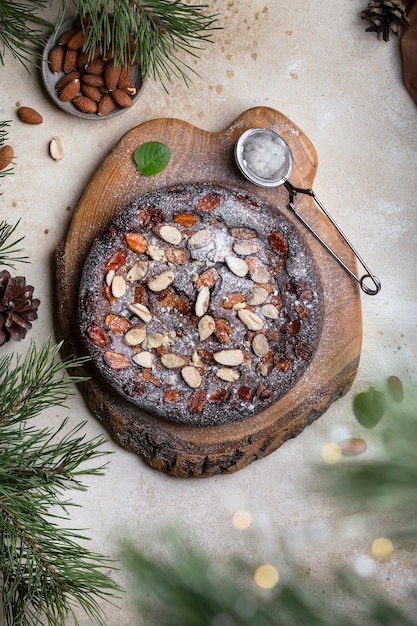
x: 274, y: 172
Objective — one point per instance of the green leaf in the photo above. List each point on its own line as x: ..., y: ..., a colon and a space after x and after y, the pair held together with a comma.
x: 152, y: 157
x: 369, y: 407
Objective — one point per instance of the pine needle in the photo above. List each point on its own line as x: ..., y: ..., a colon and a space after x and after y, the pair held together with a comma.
x: 45, y: 568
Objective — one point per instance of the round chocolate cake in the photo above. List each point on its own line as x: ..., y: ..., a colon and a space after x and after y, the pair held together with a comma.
x: 200, y: 304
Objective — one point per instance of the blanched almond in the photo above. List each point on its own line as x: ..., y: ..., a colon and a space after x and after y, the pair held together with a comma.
x: 161, y: 281
x: 201, y: 238
x: 156, y: 253
x: 153, y: 340
x: 250, y: 319
x: 134, y: 336
x: 191, y: 376
x: 229, y: 357
x: 227, y: 374
x: 202, y: 301
x: 270, y: 311
x: 258, y: 296
x: 170, y: 234
x: 56, y: 148
x: 244, y: 248
x: 118, y: 286
x: 206, y: 327
x: 144, y: 359
x: 237, y: 266
x: 140, y: 311
x: 260, y: 275
x: 172, y: 361
x: 138, y: 271
x: 260, y: 345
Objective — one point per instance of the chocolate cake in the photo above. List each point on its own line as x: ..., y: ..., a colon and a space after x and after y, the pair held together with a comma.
x: 200, y: 304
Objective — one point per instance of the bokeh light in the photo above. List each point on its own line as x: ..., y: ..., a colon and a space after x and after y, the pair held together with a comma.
x: 266, y: 576
x: 242, y: 519
x: 382, y: 548
x: 331, y: 453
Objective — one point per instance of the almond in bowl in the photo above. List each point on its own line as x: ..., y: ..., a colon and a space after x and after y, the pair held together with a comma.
x: 89, y: 88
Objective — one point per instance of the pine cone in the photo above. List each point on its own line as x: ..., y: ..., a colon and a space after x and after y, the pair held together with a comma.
x: 385, y: 15
x: 18, y: 309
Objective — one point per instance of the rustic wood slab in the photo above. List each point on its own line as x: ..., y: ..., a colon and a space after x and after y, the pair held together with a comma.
x: 200, y: 156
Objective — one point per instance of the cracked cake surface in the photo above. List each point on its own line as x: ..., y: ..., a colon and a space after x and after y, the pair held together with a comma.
x: 200, y: 304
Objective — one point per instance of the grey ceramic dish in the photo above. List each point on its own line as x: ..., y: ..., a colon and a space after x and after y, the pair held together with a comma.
x: 50, y: 79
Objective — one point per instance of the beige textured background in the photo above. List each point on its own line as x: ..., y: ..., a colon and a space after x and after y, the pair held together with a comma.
x: 314, y: 62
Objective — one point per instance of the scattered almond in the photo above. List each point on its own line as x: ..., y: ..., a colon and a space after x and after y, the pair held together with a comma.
x: 353, y: 446
x: 6, y: 156
x: 201, y: 239
x: 56, y: 148
x: 29, y: 115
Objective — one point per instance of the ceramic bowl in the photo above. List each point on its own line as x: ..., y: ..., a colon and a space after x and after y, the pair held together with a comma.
x: 50, y: 80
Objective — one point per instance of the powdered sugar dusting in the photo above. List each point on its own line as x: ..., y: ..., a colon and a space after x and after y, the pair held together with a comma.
x: 291, y: 324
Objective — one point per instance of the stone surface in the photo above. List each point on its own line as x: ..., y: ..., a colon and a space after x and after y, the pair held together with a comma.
x: 315, y: 63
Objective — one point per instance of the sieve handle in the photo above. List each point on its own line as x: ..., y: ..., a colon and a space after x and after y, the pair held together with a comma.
x: 362, y: 280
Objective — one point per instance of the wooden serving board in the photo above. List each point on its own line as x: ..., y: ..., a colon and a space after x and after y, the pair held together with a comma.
x: 200, y: 156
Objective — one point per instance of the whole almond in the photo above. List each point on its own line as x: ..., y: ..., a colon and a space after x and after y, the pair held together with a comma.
x: 70, y: 61
x: 250, y: 319
x: 91, y: 92
x: 128, y: 87
x: 353, y: 446
x: 56, y: 59
x: 29, y: 115
x: 67, y: 78
x: 6, y: 156
x: 96, y: 67
x: 93, y: 80
x: 70, y: 90
x: 121, y: 98
x: 77, y: 41
x: 111, y: 75
x: 84, y: 104
x: 65, y: 37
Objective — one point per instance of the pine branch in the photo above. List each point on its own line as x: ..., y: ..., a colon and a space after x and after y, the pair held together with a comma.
x: 22, y: 31
x: 153, y: 32
x: 9, y: 252
x: 44, y: 569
